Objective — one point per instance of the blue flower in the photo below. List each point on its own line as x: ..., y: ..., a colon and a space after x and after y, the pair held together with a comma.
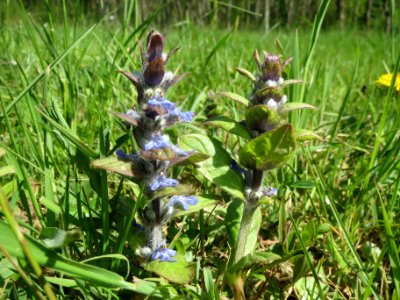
x: 171, y: 108
x: 162, y: 141
x: 137, y: 226
x: 161, y: 182
x: 184, y: 201
x: 164, y: 103
x: 121, y: 154
x: 270, y: 191
x: 180, y: 152
x: 164, y: 254
x: 185, y: 116
x: 157, y: 142
x: 234, y: 166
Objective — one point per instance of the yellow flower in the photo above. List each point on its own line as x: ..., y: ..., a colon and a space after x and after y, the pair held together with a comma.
x: 386, y: 79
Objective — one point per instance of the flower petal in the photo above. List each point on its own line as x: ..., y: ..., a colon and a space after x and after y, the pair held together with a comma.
x: 164, y: 254
x: 184, y: 201
x: 161, y: 182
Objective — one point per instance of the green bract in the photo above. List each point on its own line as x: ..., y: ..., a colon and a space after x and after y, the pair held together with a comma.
x: 269, y: 150
x: 261, y: 118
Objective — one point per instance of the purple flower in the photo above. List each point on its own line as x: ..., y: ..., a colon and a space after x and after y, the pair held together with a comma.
x: 164, y: 254
x: 184, y: 201
x: 161, y: 182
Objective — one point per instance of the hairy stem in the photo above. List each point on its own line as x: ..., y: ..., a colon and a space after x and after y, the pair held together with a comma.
x: 249, y: 209
x: 156, y: 235
x: 248, y: 212
x: 257, y: 180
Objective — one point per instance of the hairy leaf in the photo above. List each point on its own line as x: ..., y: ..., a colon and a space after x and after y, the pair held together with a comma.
x: 269, y: 150
x: 295, y: 106
x: 179, y: 271
x: 229, y: 125
x: 261, y: 118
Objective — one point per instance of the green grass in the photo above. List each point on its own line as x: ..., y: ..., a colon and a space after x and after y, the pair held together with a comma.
x: 57, y: 90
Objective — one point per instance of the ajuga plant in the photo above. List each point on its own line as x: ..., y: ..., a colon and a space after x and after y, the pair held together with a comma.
x: 149, y: 164
x: 269, y: 143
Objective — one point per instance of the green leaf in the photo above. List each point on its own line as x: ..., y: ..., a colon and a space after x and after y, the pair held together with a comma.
x: 261, y: 117
x: 295, y: 106
x: 191, y: 158
x: 269, y: 150
x: 275, y: 92
x: 229, y: 125
x: 232, y: 219
x: 324, y: 228
x: 301, y: 267
x: 166, y: 153
x: 126, y: 118
x: 7, y: 170
x: 308, y: 233
x: 306, y: 135
x: 205, y: 201
x: 50, y: 205
x: 232, y: 96
x: 216, y: 169
x: 302, y: 184
x: 209, y: 283
x: 72, y: 139
x: 179, y: 271
x: 179, y: 189
x: 246, y: 73
x: 198, y: 142
x: 114, y: 164
x: 68, y: 283
x: 214, y: 50
x: 259, y: 258
x: 54, y: 237
x: 49, y: 258
x: 307, y: 286
x: 48, y: 69
x: 6, y: 270
x: 252, y: 237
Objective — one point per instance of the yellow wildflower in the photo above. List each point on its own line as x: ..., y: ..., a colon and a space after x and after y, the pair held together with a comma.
x: 386, y: 79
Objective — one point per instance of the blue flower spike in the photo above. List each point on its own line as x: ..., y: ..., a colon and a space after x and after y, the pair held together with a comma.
x: 164, y: 254
x: 157, y: 152
x: 184, y: 201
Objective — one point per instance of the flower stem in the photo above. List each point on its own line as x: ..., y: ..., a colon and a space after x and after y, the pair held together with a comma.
x: 257, y: 180
x: 249, y: 209
x: 156, y: 235
x: 248, y: 212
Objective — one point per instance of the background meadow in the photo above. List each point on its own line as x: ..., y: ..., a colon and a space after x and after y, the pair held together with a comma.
x: 337, y: 209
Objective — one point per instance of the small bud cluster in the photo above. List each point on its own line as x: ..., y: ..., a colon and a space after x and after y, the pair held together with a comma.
x: 157, y: 153
x: 269, y: 84
x: 264, y: 112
